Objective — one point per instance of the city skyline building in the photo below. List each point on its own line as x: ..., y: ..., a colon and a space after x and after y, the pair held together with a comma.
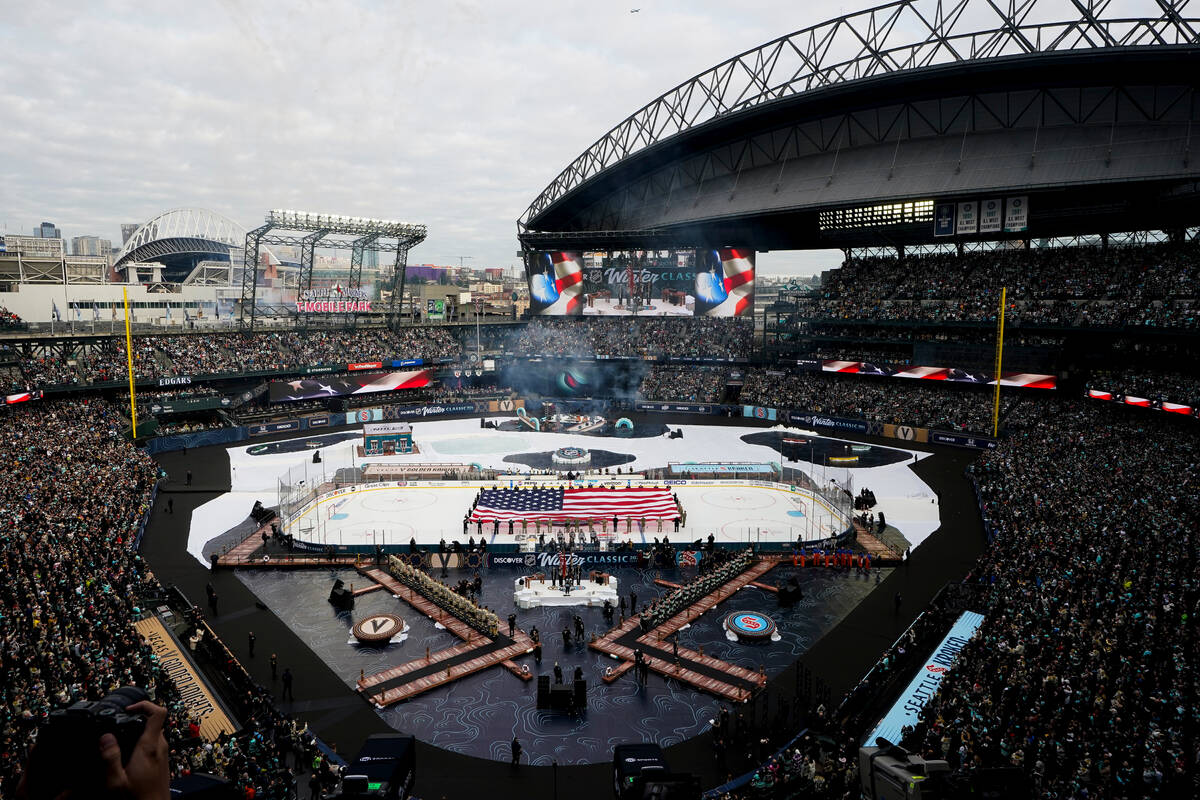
x: 91, y: 246
x: 47, y: 230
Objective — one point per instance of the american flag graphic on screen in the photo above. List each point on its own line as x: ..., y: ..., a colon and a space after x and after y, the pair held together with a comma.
x: 582, y: 503
x: 737, y: 283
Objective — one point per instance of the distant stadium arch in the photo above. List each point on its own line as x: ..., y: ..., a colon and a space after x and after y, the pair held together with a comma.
x: 180, y: 238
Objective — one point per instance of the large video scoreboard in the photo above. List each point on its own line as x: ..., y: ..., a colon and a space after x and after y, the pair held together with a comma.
x: 711, y: 283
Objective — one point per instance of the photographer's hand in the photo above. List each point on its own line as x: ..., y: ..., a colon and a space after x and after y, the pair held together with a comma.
x: 147, y: 776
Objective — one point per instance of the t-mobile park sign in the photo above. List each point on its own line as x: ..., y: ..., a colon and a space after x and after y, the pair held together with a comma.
x: 332, y: 300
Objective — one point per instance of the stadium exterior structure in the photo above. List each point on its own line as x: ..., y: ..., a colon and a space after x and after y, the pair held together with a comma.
x: 181, y: 240
x: 850, y: 133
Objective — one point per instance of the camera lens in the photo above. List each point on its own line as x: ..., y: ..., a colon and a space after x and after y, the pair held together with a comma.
x: 123, y: 697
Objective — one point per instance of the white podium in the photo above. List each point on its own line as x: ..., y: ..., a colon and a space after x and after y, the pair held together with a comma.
x: 534, y: 593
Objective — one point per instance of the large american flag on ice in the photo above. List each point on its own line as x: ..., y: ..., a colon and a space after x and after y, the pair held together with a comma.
x: 597, y: 503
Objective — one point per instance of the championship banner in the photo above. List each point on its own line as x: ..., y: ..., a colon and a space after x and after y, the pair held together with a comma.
x: 943, y: 219
x: 967, y: 220
x: 991, y: 216
x: 1016, y: 214
x: 907, y: 709
x: 198, y: 697
x: 366, y: 383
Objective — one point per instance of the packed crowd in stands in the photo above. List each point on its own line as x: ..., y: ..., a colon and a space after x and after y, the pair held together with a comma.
x: 636, y: 337
x: 1084, y: 673
x: 439, y: 392
x: 692, y: 384
x: 192, y: 424
x: 230, y: 353
x: 1150, y: 285
x: 9, y: 320
x: 876, y: 355
x: 1083, y: 676
x: 888, y: 400
x: 71, y: 586
x: 1174, y: 387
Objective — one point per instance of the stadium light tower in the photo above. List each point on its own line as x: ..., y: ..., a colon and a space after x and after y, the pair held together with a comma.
x: 307, y: 230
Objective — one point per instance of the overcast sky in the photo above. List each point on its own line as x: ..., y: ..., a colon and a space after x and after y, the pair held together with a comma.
x: 454, y: 114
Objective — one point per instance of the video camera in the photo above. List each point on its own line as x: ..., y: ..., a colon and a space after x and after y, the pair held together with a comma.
x: 74, y: 733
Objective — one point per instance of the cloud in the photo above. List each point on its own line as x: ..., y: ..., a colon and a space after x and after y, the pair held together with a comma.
x: 455, y: 114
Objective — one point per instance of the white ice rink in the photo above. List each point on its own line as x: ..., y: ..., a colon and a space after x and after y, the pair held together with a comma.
x: 393, y: 515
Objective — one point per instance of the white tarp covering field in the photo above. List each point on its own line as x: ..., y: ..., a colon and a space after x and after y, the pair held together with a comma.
x: 391, y: 514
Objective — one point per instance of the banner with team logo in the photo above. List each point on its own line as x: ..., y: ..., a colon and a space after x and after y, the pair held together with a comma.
x: 943, y: 219
x: 991, y: 216
x: 1016, y: 214
x: 967, y: 219
x: 907, y: 433
x: 758, y: 412
x: 907, y: 709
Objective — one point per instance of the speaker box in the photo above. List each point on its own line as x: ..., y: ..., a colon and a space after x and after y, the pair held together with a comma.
x: 580, y: 694
x: 543, y: 691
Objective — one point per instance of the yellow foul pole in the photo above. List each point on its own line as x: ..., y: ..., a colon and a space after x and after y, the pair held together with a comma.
x: 999, y: 363
x: 129, y: 353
